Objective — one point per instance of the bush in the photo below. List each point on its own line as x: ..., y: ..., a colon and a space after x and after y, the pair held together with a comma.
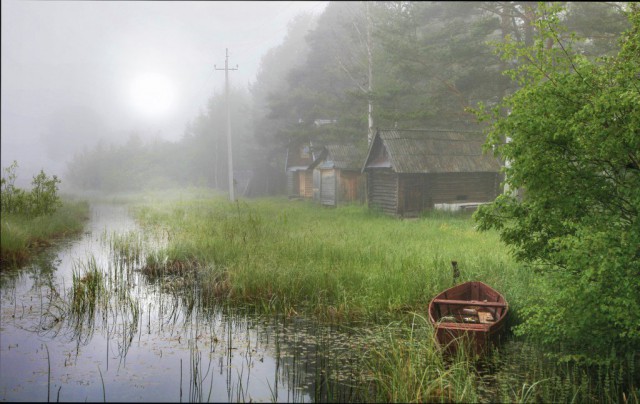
x: 573, y: 147
x: 42, y: 200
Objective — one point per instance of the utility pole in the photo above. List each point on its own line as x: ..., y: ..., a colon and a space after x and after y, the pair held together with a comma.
x: 226, y: 91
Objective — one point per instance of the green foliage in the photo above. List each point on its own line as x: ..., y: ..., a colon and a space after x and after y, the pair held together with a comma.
x: 572, y: 145
x: 44, y: 195
x: 13, y: 199
x: 42, y: 200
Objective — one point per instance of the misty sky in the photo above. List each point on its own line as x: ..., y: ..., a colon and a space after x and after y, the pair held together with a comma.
x: 74, y: 72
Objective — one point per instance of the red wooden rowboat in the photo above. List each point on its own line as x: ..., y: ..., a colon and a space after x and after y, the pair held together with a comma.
x: 471, y: 309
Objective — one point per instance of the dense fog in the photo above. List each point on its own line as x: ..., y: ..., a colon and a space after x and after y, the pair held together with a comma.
x: 75, y: 73
x: 128, y: 96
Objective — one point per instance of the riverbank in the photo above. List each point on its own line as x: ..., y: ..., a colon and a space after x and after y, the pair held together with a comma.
x: 21, y: 236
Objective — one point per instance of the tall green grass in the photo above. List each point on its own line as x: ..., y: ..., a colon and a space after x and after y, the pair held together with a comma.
x: 344, y: 263
x: 20, y: 235
x: 352, y: 265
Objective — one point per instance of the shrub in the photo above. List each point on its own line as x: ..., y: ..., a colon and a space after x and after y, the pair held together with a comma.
x: 43, y: 199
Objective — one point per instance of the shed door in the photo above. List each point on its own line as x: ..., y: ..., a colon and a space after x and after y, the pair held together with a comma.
x: 413, y: 195
x: 301, y: 183
x: 328, y: 187
x: 348, y: 186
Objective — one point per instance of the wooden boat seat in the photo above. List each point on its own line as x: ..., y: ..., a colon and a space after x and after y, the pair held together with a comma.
x: 469, y: 303
x: 465, y: 326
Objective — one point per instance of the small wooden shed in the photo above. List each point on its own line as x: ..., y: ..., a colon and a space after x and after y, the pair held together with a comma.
x: 337, y: 175
x: 300, y: 156
x: 409, y: 171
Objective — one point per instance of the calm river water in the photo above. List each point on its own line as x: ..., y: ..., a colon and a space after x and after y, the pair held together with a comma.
x: 151, y: 343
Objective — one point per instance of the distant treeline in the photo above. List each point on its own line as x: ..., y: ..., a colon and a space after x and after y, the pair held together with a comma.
x: 418, y: 64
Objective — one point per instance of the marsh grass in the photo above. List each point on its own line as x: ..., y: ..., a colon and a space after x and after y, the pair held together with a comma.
x: 407, y: 366
x: 102, y: 295
x: 86, y: 291
x: 127, y: 247
x: 21, y: 236
x: 521, y: 372
x: 339, y: 264
x: 349, y: 265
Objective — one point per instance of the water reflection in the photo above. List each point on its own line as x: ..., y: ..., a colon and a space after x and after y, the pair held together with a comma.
x: 133, y: 339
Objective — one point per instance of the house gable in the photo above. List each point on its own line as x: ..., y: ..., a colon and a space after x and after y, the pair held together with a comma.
x: 378, y: 156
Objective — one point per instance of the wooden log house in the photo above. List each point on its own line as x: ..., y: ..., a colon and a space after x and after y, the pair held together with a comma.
x: 409, y: 171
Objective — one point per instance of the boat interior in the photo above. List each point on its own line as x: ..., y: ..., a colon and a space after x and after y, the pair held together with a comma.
x: 470, y: 303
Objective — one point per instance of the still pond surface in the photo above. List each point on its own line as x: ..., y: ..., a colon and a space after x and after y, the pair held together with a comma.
x: 150, y: 339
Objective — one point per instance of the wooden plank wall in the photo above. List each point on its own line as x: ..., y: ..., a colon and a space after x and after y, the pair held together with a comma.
x: 382, y: 189
x: 292, y: 184
x: 350, y: 186
x: 316, y: 185
x: 306, y: 183
x: 328, y: 194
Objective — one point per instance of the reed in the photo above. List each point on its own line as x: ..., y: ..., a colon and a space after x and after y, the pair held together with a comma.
x: 407, y: 366
x: 86, y: 290
x: 127, y: 247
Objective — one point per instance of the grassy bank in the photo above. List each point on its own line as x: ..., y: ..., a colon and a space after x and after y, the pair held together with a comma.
x: 346, y: 263
x: 354, y: 266
x: 21, y: 236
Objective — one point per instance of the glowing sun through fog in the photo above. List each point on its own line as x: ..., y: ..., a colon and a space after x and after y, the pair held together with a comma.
x: 152, y: 94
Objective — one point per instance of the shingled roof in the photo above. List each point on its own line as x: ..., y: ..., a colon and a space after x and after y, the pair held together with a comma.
x: 343, y: 157
x: 430, y: 151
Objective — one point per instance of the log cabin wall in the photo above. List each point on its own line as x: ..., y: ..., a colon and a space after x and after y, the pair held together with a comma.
x: 418, y: 192
x: 382, y: 189
x: 413, y: 194
x: 462, y: 187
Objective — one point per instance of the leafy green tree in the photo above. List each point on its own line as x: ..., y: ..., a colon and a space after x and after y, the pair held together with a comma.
x: 571, y: 139
x: 13, y: 198
x: 43, y: 199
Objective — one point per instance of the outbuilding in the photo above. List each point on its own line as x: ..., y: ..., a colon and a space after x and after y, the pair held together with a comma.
x: 300, y: 156
x: 337, y: 175
x: 409, y: 171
